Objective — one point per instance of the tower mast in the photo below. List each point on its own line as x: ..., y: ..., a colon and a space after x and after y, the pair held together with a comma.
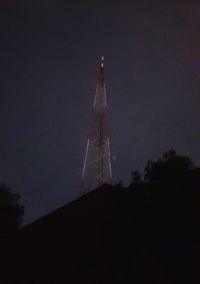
x: 97, y: 163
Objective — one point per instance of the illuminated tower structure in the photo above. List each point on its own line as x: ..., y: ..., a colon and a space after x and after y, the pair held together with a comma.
x: 97, y: 163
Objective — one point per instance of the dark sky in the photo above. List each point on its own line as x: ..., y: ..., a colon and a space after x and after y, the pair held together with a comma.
x: 49, y: 52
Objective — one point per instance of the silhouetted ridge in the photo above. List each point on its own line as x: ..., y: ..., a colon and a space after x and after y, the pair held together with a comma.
x: 93, y: 206
x: 110, y: 235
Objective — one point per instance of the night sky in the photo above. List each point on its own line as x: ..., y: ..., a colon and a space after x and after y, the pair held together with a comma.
x: 48, y: 62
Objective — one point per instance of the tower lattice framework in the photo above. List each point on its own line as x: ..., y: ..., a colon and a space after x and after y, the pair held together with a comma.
x: 97, y: 163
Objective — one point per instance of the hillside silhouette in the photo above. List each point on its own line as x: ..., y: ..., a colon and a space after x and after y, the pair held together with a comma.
x: 147, y: 232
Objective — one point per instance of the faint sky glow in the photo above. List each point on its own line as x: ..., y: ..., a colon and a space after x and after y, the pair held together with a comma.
x: 49, y: 57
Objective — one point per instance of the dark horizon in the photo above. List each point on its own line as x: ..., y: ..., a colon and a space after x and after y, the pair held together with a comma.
x: 49, y: 57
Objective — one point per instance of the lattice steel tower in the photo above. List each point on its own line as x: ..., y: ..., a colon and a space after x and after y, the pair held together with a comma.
x: 97, y: 163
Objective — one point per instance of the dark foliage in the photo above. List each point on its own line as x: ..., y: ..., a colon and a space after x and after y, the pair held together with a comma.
x: 146, y: 233
x: 11, y: 213
x: 170, y: 169
x: 170, y: 190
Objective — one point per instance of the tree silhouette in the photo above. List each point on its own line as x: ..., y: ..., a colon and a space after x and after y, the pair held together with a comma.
x: 171, y: 169
x: 170, y: 189
x: 11, y: 213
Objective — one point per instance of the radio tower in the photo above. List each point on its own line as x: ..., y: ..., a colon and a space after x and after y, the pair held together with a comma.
x: 97, y: 163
